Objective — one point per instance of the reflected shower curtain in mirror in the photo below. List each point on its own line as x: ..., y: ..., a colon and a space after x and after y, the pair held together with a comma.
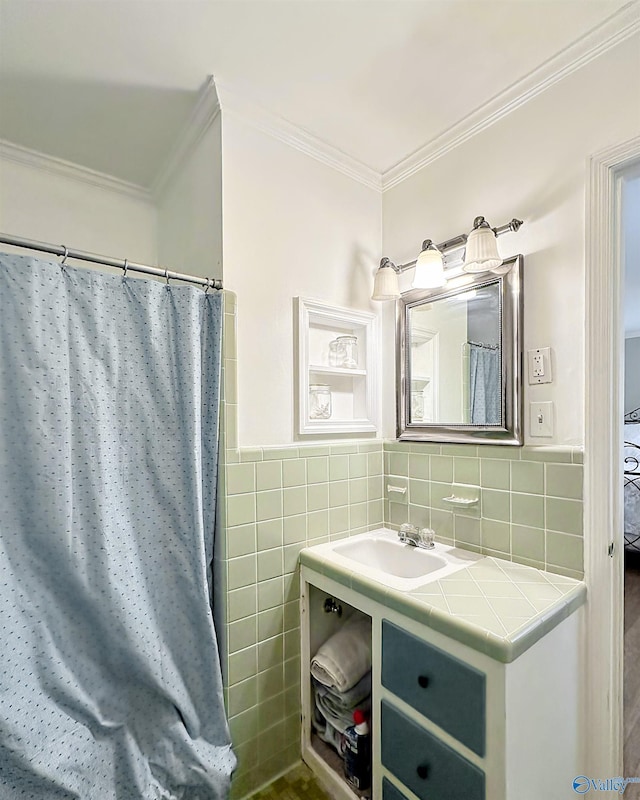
x: 110, y: 685
x: 485, y: 385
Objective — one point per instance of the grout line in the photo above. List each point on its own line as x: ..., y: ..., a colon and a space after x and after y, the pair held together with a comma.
x: 490, y: 606
x: 513, y: 583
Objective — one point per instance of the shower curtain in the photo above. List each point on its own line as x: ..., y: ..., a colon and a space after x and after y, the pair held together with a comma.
x: 485, y: 385
x: 110, y: 685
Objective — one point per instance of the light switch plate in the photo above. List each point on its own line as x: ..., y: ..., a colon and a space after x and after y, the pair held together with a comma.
x: 539, y: 365
x: 541, y: 418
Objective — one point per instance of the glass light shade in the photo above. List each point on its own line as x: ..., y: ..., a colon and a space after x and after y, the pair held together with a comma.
x: 482, y: 251
x: 385, y: 286
x: 429, y: 272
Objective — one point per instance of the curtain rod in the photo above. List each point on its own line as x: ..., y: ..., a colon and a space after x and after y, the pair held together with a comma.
x: 124, y: 264
x: 483, y: 345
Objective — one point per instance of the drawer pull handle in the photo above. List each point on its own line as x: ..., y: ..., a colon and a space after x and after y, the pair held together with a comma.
x: 423, y: 681
x: 423, y: 771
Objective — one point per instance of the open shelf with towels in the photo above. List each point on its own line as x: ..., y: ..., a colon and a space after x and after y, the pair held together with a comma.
x: 326, y: 621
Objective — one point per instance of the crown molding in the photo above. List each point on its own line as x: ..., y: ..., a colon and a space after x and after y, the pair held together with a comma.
x: 284, y: 131
x: 604, y: 37
x: 67, y: 169
x: 204, y: 114
x: 612, y: 32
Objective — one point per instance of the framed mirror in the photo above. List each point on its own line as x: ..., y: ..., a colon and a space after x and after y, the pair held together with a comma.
x: 460, y: 360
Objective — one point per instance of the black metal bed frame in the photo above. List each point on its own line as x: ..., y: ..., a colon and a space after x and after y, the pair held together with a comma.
x: 632, y: 477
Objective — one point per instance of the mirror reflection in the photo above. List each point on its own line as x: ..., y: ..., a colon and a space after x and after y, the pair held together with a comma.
x: 460, y: 359
x: 455, y: 359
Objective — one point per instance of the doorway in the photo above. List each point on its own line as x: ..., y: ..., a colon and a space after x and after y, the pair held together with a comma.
x: 603, y: 488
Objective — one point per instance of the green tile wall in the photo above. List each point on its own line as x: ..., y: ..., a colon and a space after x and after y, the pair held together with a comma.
x: 275, y: 501
x: 530, y: 507
x: 264, y: 530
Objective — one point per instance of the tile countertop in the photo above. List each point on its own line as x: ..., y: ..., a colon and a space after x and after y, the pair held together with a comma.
x: 494, y: 606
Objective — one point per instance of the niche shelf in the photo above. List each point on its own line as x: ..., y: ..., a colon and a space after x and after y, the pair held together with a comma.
x: 317, y: 626
x: 354, y: 391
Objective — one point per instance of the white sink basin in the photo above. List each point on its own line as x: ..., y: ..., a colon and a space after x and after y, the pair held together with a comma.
x: 392, y: 557
x: 381, y: 556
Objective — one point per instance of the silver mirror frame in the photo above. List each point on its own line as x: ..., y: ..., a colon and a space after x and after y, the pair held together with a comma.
x: 511, y: 332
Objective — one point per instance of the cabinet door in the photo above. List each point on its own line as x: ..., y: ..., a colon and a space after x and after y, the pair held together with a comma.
x: 427, y: 766
x: 439, y: 686
x: 389, y: 791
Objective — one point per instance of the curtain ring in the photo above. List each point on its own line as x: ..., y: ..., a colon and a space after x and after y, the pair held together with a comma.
x: 64, y: 257
x: 208, y: 286
x: 166, y: 277
x: 125, y: 267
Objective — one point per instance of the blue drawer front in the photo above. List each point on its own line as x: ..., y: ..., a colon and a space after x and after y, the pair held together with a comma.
x: 439, y: 686
x: 424, y: 764
x: 389, y: 791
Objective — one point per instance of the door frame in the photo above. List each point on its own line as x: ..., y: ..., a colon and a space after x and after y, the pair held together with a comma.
x: 603, y: 492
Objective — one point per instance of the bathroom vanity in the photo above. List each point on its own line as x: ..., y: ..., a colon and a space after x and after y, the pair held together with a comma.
x: 476, y: 673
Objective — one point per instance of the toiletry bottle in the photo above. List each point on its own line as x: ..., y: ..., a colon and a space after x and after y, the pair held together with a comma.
x: 357, y: 752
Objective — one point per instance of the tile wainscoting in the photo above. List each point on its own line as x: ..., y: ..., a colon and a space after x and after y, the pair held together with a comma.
x: 530, y: 507
x: 273, y: 501
x: 273, y: 507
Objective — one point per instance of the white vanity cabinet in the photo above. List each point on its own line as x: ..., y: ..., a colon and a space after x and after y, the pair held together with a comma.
x: 449, y: 722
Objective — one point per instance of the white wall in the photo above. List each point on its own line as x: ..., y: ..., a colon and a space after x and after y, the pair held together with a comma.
x: 533, y: 165
x: 39, y: 204
x: 631, y: 295
x: 292, y: 227
x: 190, y: 210
x: 630, y: 219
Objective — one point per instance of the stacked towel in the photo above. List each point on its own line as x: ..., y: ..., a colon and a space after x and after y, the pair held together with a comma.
x: 344, y: 659
x: 337, y: 707
x: 341, y: 679
x: 326, y: 731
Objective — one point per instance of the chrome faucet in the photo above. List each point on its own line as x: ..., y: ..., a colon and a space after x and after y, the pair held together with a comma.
x: 423, y: 537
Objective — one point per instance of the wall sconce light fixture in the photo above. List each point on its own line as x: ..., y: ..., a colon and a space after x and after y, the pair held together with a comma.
x: 481, y: 255
x: 385, y: 284
x: 429, y: 272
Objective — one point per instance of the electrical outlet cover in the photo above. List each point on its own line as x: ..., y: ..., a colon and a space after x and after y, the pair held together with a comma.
x: 539, y: 365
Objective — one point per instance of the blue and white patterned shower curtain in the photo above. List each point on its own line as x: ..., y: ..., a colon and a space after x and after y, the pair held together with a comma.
x: 485, y: 385
x: 110, y: 685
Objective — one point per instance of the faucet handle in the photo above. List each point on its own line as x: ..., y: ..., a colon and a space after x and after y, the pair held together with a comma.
x: 427, y: 537
x: 407, y: 532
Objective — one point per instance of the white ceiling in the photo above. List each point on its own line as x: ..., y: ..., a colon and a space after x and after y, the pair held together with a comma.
x: 110, y: 84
